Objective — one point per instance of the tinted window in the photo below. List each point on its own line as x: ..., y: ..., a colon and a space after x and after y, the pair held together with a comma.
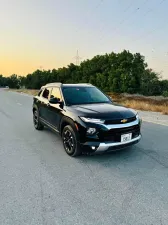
x: 55, y: 93
x: 84, y: 95
x: 46, y: 93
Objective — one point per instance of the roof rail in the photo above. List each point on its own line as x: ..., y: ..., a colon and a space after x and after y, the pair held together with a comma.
x: 85, y: 83
x: 56, y: 83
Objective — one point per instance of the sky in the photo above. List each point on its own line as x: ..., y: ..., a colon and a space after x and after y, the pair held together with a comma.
x: 46, y: 34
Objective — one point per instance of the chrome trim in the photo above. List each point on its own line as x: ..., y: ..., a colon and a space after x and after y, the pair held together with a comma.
x: 124, y: 125
x: 106, y: 145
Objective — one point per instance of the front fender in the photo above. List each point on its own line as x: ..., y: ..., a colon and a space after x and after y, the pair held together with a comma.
x: 78, y: 129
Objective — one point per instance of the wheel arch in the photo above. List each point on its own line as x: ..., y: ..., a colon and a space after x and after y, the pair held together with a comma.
x: 34, y: 108
x: 67, y: 121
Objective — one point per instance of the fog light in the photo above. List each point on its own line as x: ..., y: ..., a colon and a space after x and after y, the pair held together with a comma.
x: 91, y: 131
x: 93, y: 147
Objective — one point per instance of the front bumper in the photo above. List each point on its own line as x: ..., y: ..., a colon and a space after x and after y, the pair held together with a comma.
x: 108, y: 137
x: 110, y: 146
x: 117, y: 145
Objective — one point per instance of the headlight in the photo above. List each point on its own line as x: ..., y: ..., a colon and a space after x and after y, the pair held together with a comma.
x: 138, y: 118
x: 92, y: 120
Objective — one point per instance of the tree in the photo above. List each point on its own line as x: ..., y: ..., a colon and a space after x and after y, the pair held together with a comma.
x: 116, y: 72
x: 13, y: 81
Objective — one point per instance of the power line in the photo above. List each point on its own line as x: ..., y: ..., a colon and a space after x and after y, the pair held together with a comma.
x: 125, y: 10
x: 137, y: 9
x: 150, y: 32
x: 127, y: 17
x: 90, y: 11
x: 153, y: 9
x: 129, y: 6
x: 162, y: 1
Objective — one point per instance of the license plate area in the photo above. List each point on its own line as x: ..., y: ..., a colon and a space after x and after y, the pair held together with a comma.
x: 126, y: 137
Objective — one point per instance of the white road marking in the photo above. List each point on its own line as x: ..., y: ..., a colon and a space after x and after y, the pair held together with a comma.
x: 27, y: 95
x: 19, y: 103
x: 21, y: 93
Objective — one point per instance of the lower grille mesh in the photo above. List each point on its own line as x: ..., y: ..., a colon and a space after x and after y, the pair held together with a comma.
x: 115, y: 134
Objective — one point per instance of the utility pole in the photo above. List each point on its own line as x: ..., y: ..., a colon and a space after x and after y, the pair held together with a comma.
x: 41, y: 67
x: 77, y: 58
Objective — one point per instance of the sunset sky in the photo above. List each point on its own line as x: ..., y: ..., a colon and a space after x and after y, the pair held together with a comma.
x: 47, y: 33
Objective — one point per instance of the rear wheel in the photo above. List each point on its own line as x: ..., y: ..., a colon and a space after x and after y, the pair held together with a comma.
x: 70, y: 143
x: 37, y: 124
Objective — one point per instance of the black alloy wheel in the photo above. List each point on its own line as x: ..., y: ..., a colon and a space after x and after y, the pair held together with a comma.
x: 37, y: 123
x: 70, y: 142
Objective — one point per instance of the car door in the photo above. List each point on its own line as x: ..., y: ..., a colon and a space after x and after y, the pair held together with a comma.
x: 55, y: 110
x: 44, y: 114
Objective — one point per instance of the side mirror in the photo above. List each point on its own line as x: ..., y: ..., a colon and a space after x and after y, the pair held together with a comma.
x: 54, y: 101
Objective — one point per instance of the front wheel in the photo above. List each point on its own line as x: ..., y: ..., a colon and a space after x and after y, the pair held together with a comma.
x: 36, y: 121
x: 70, y: 142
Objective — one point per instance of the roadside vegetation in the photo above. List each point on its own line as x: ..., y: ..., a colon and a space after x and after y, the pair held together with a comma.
x: 115, y: 72
x: 118, y: 73
x: 139, y: 102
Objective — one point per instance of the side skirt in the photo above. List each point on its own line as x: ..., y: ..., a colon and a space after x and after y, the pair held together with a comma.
x: 44, y: 122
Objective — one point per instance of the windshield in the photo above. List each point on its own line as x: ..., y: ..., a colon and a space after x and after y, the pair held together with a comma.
x: 83, y: 95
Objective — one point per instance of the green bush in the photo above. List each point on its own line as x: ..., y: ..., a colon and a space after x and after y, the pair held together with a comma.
x: 165, y: 93
x: 122, y: 72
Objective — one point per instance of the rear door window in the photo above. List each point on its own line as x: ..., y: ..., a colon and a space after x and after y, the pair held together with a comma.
x: 46, y: 93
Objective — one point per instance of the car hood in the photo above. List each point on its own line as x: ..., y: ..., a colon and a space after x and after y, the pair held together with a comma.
x: 105, y: 110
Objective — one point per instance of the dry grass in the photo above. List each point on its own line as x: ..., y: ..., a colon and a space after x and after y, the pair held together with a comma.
x: 26, y: 91
x: 155, y: 104
x: 146, y: 106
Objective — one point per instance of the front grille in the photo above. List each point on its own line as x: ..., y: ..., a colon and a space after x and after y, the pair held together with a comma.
x: 118, y: 121
x: 115, y: 134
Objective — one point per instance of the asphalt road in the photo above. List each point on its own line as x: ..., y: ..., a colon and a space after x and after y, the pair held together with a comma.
x: 40, y: 184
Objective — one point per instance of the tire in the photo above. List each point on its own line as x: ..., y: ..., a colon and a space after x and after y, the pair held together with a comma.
x: 70, y: 143
x: 37, y: 124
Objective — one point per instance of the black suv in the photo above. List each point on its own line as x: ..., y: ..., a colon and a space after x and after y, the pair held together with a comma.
x: 85, y: 118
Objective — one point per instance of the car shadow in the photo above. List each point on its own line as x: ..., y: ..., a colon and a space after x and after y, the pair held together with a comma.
x: 110, y: 154
x: 52, y: 133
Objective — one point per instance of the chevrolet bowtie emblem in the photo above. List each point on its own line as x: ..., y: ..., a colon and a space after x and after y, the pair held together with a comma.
x: 124, y: 121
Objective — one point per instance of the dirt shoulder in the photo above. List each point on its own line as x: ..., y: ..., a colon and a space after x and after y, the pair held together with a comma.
x: 143, y: 103
x: 154, y: 117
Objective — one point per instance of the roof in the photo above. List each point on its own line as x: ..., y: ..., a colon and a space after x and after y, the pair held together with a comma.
x: 53, y: 84
x: 67, y: 85
x: 77, y: 85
